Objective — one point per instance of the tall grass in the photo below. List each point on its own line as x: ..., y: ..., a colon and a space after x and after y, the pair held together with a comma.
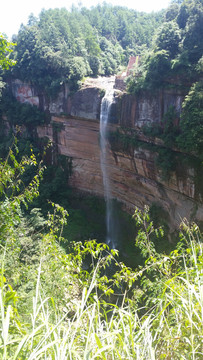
x: 171, y: 328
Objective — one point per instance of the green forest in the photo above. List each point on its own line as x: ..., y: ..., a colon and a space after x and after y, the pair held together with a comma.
x: 64, y: 294
x: 64, y: 46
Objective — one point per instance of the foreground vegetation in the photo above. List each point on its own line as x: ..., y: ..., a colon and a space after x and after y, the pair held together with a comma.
x: 85, y: 304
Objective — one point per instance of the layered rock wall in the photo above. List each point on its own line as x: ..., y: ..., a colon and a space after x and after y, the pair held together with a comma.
x: 131, y: 111
x: 138, y: 111
x: 135, y: 179
x: 134, y: 176
x: 84, y: 103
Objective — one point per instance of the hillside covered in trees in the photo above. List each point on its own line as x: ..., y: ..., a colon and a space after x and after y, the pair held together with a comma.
x: 62, y: 46
x: 176, y: 52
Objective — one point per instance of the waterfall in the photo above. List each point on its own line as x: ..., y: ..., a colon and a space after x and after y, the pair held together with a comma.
x: 104, y: 146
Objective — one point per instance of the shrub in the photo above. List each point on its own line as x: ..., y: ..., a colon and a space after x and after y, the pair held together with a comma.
x: 191, y: 124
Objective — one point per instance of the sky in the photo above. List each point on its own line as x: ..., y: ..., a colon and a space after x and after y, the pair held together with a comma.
x: 15, y: 12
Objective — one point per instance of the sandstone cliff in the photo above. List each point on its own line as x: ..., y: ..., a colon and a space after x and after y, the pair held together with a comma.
x: 135, y: 178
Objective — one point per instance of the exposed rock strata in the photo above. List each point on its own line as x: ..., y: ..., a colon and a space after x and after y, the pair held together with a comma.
x: 135, y: 179
x: 131, y: 111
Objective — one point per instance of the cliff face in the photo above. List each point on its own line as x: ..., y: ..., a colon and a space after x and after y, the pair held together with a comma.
x: 128, y: 110
x: 134, y: 177
x: 84, y: 103
x: 137, y: 111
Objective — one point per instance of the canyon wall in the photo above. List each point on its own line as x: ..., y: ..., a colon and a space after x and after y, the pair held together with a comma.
x: 128, y: 110
x: 135, y: 178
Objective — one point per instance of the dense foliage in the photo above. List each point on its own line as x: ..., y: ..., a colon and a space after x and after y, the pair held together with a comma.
x: 5, y: 62
x: 86, y: 304
x: 5, y: 50
x: 64, y: 46
x: 176, y: 56
x: 18, y: 113
x: 191, y: 138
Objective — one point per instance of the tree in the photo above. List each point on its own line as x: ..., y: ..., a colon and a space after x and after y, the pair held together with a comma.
x: 5, y: 50
x: 158, y: 67
x: 168, y: 38
x: 191, y: 123
x: 172, y: 12
x: 5, y: 61
x: 192, y: 40
x: 51, y: 49
x: 182, y: 16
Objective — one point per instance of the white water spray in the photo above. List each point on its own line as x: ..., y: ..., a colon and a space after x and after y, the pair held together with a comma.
x: 104, y: 146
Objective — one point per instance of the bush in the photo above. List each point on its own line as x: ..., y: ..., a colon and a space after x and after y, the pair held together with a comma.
x: 159, y: 306
x: 191, y: 124
x: 20, y: 114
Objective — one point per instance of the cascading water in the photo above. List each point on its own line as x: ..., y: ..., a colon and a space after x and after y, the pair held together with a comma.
x: 104, y: 117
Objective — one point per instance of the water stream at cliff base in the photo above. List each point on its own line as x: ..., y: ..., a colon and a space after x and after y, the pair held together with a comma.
x: 104, y: 146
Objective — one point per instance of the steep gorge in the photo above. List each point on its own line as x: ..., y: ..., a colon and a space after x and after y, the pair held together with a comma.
x: 134, y: 176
